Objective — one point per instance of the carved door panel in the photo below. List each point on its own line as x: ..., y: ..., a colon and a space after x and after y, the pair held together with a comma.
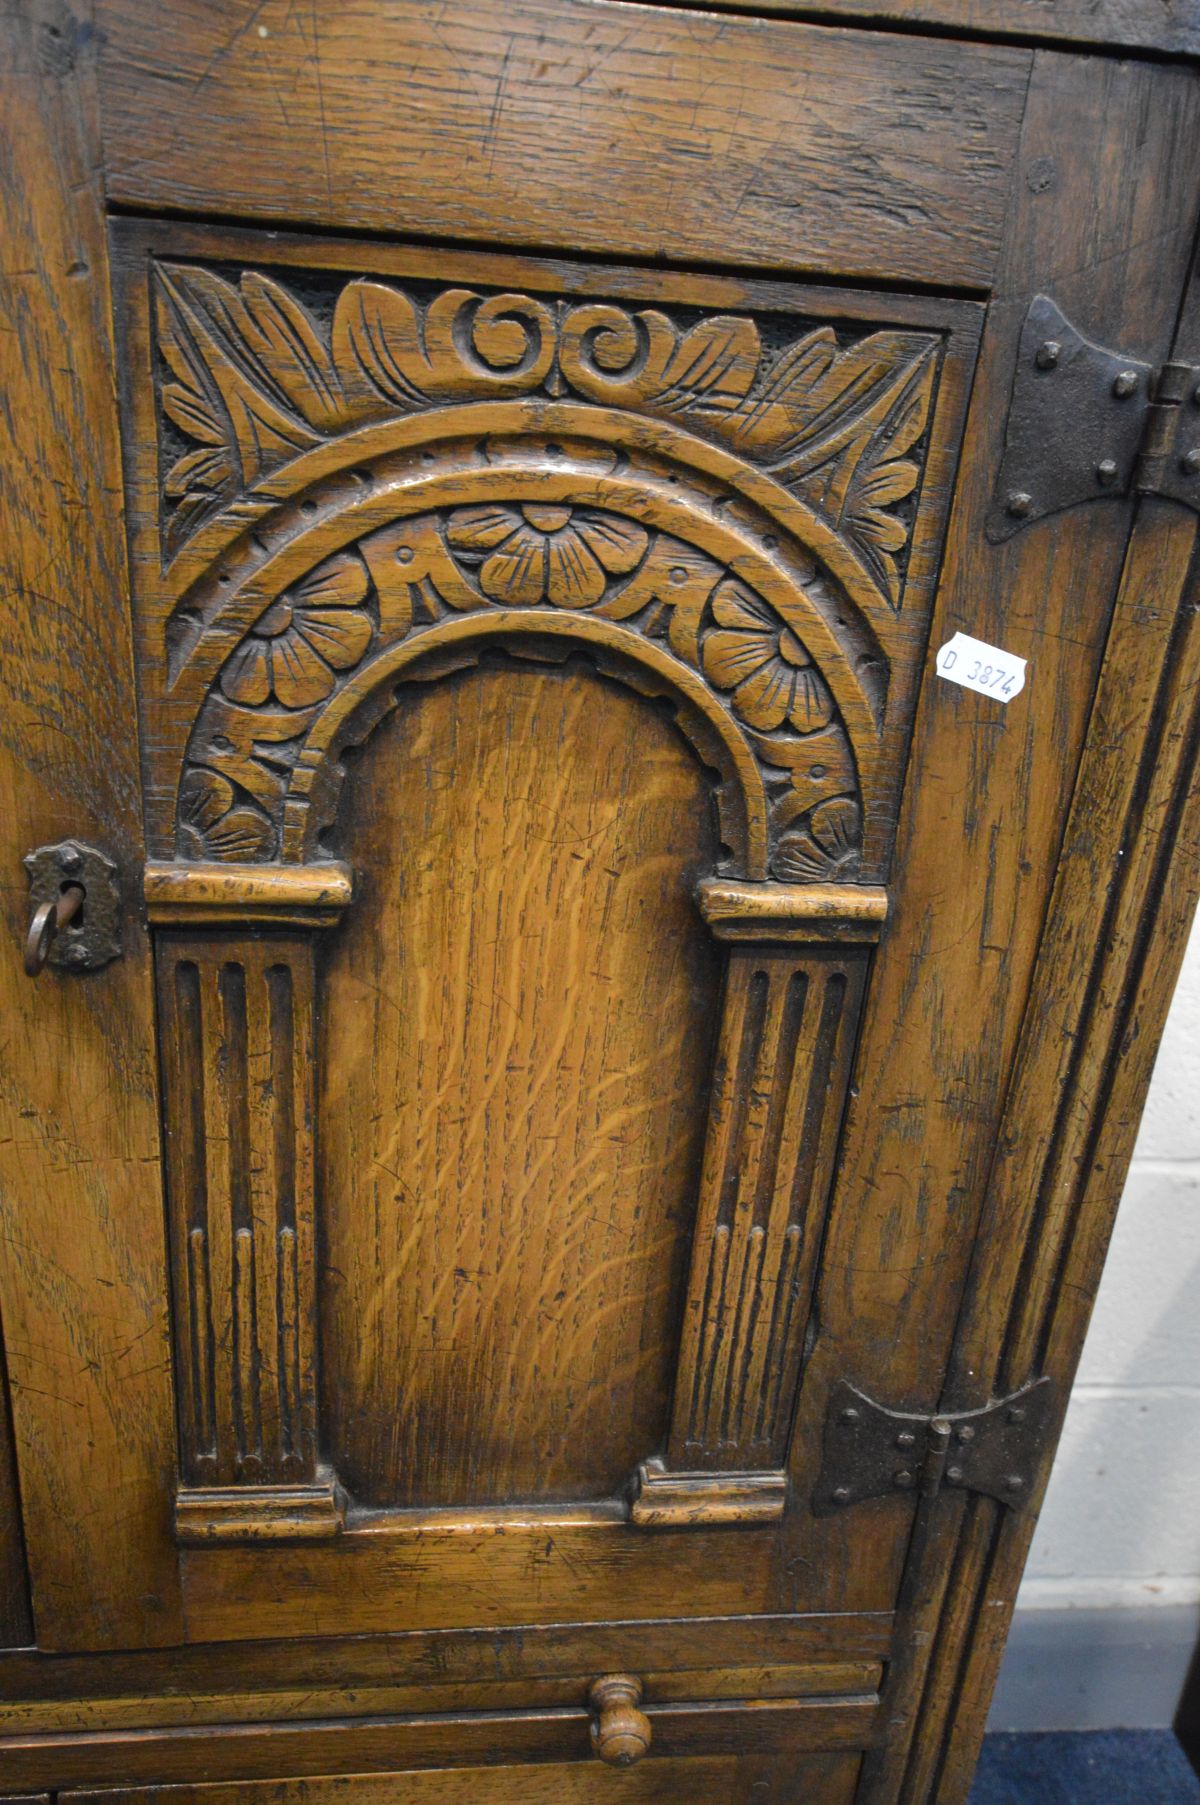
x: 550, y: 1195
x: 528, y: 657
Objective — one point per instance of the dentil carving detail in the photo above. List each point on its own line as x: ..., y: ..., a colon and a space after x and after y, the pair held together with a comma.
x: 253, y: 378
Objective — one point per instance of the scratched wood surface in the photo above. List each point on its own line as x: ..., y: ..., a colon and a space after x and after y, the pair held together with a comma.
x: 514, y: 1070
x: 1131, y: 857
x: 570, y: 123
x: 82, y: 1264
x: 988, y: 787
x: 1046, y: 597
x: 788, y: 1728
x: 16, y: 1624
x: 1171, y: 28
x: 709, y: 1780
x: 360, y: 1676
x: 483, y: 952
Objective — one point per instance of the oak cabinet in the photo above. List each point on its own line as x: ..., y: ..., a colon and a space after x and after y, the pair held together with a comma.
x: 571, y: 1078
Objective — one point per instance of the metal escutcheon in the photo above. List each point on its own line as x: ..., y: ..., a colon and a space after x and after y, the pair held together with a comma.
x: 76, y: 908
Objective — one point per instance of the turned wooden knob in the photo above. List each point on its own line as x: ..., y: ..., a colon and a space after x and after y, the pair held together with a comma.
x: 620, y: 1732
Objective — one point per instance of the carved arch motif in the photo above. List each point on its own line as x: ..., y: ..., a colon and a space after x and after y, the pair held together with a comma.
x: 255, y: 379
x: 359, y: 484
x: 560, y: 540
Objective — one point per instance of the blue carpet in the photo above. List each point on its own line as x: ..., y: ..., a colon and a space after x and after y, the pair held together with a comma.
x: 1103, y: 1767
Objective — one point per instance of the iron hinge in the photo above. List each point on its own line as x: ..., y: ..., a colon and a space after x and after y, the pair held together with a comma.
x: 1085, y: 423
x: 871, y: 1451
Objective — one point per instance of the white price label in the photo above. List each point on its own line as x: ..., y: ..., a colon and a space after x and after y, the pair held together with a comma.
x: 984, y: 668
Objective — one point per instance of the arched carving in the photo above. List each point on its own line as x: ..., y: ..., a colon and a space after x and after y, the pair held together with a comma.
x: 720, y: 601
x: 255, y: 378
x: 530, y: 535
x: 359, y: 485
x: 358, y: 708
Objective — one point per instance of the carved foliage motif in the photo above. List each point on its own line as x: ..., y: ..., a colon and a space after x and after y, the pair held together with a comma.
x: 404, y: 581
x: 252, y: 378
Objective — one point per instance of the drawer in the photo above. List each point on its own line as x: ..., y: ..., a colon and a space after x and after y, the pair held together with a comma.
x: 713, y: 1738
x: 713, y: 1780
x: 810, y: 1657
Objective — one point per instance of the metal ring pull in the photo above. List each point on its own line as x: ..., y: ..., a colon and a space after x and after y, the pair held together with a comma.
x: 49, y: 918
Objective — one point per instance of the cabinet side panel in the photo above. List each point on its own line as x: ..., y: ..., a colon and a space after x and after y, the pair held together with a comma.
x: 1115, y: 939
x: 1114, y: 139
x: 988, y: 787
x: 82, y: 1268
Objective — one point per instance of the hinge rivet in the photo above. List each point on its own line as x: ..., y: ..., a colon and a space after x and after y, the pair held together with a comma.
x: 1020, y: 504
x: 1124, y: 383
x: 848, y: 1416
x: 1048, y: 354
x: 906, y: 1439
x: 1014, y: 1483
x: 903, y: 1478
x: 841, y: 1494
x: 966, y: 1433
x: 1191, y: 460
x: 1017, y: 1414
x: 954, y: 1475
x: 1106, y: 472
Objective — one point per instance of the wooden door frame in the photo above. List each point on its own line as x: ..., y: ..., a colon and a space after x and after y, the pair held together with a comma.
x: 1113, y: 988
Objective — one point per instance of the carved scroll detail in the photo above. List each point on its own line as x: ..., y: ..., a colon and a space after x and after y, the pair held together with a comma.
x: 252, y: 378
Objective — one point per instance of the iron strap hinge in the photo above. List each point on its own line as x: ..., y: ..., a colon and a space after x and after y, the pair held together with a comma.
x: 1085, y: 422
x: 871, y: 1451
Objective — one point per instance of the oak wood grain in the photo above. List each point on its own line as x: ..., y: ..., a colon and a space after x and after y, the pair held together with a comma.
x: 570, y: 123
x: 347, y: 1699
x: 238, y: 1077
x: 255, y: 895
x: 516, y: 1024
x: 82, y: 1262
x: 1123, y: 904
x: 1171, y: 28
x: 792, y: 1656
x: 844, y: 387
x: 518, y: 1569
x: 515, y: 992
x: 16, y: 1622
x: 263, y: 1751
x: 703, y: 1780
x: 987, y: 793
x: 1132, y: 303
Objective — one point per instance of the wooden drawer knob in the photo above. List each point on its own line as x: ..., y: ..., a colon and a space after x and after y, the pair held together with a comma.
x: 620, y: 1732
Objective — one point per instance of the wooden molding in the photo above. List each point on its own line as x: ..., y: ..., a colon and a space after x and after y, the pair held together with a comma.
x: 669, y: 1500
x: 260, y: 1513
x: 795, y: 913
x: 237, y: 1033
x: 783, y: 1069
x: 247, y: 895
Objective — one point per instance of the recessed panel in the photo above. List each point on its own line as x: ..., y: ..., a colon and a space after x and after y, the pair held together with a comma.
x: 518, y: 1019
